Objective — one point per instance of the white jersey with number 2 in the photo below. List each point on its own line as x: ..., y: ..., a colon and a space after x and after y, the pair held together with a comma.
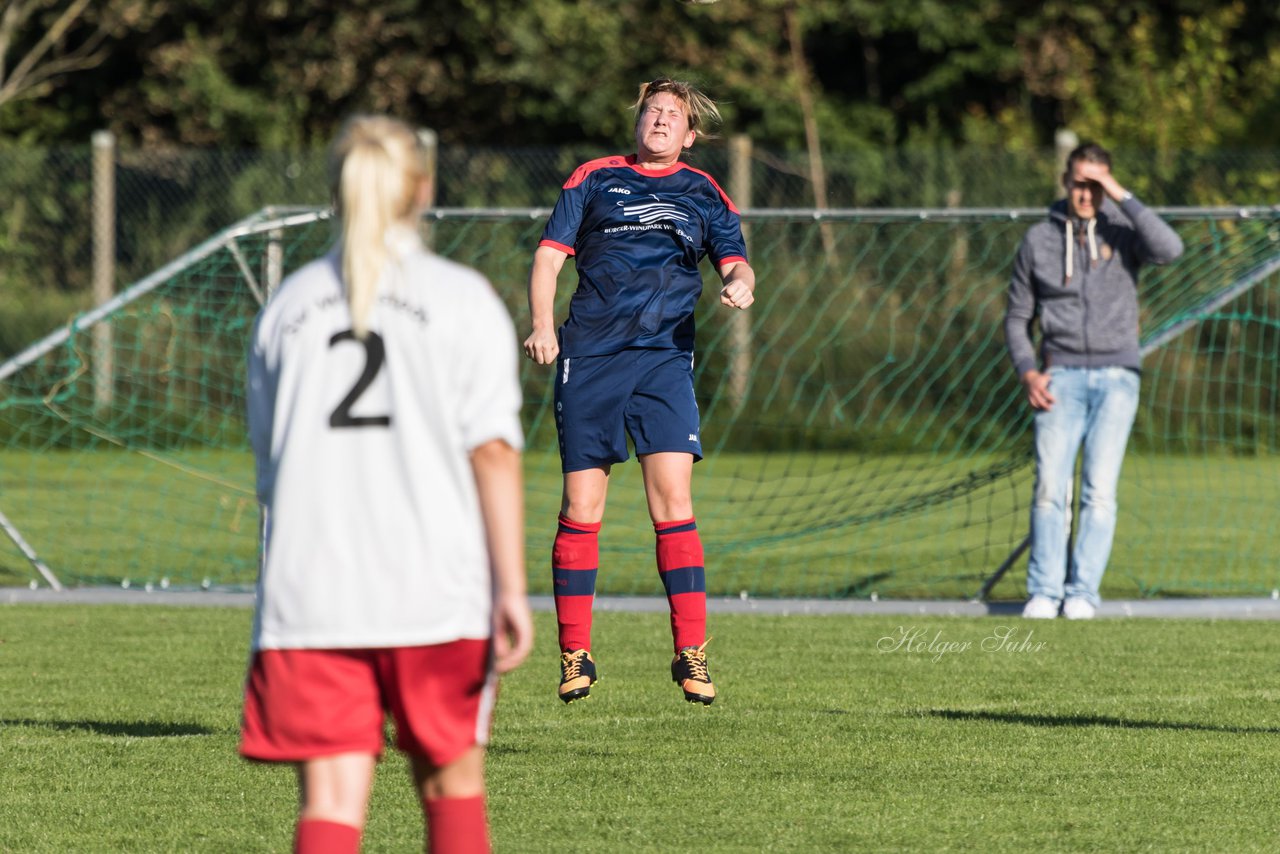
x: 372, y: 532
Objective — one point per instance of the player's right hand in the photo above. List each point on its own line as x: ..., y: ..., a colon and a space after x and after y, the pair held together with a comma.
x: 1038, y: 394
x: 542, y: 346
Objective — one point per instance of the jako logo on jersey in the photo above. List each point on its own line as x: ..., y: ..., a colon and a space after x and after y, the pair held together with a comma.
x: 623, y: 190
x: 653, y: 211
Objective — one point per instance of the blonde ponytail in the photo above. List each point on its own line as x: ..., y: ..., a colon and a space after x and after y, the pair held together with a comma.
x: 375, y: 169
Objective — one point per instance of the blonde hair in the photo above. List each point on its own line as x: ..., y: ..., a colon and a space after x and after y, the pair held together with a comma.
x: 703, y: 113
x: 375, y: 170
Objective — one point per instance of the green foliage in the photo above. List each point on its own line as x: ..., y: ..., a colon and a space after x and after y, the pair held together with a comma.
x: 915, y: 103
x: 1144, y: 73
x: 167, y: 202
x: 44, y: 273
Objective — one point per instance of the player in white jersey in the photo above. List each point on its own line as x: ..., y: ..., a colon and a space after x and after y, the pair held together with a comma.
x: 384, y: 416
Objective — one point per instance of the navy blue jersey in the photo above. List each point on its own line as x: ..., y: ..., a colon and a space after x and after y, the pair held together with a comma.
x: 637, y: 237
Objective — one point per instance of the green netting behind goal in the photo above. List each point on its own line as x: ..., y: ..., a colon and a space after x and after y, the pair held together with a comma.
x: 863, y: 430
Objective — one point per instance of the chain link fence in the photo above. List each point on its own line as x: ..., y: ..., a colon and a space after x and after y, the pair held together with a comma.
x: 865, y: 434
x: 166, y: 201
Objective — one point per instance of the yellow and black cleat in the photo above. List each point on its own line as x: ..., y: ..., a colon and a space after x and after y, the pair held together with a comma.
x: 577, y: 674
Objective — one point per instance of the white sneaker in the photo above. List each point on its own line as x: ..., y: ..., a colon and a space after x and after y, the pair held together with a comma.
x: 1040, y: 607
x: 1078, y: 608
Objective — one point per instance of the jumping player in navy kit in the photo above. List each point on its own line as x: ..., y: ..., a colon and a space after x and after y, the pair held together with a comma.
x: 637, y: 226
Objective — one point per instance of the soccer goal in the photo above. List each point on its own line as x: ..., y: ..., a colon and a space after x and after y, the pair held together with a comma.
x: 864, y: 432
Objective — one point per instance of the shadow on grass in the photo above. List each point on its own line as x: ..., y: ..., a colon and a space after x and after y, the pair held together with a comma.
x: 862, y: 587
x: 1092, y: 720
x: 14, y: 576
x: 133, y: 729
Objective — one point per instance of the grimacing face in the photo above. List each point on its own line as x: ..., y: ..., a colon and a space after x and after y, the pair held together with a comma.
x: 662, y: 131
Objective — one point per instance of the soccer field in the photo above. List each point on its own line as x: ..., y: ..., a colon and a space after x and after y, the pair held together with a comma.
x: 774, y: 524
x: 118, y: 731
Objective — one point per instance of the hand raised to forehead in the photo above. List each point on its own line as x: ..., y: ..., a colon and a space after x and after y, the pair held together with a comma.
x: 1088, y: 170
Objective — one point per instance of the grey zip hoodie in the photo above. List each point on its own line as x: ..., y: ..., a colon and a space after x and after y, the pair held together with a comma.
x: 1087, y: 301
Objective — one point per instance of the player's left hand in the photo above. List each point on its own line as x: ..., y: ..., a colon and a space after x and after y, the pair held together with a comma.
x: 542, y: 346
x: 736, y: 294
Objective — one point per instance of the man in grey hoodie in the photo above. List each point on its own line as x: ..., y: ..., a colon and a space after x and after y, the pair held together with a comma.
x: 1077, y: 272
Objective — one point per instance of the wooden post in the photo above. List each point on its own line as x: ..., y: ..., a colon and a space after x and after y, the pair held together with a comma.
x: 430, y: 155
x: 740, y: 321
x: 1063, y: 142
x: 104, y: 265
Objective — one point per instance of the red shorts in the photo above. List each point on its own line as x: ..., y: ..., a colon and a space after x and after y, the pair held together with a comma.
x: 309, y: 703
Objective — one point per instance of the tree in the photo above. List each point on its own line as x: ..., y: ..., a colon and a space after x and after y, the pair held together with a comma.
x: 861, y: 76
x: 51, y: 39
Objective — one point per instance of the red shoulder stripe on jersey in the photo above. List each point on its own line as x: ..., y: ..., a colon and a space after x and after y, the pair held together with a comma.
x: 580, y: 174
x: 568, y: 250
x: 723, y: 195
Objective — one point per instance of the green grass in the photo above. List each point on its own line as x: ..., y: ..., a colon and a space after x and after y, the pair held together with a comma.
x: 118, y: 731
x: 781, y: 524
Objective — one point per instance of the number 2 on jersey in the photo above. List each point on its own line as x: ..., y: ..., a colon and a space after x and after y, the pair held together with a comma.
x: 374, y: 355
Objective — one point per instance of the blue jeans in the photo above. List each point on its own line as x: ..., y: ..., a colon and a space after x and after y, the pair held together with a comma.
x: 1094, y: 407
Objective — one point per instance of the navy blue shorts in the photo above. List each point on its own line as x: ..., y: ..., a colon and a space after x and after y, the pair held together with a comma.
x: 600, y: 400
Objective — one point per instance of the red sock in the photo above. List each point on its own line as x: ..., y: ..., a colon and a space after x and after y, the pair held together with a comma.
x: 575, y: 559
x: 313, y: 836
x: 457, y: 826
x: 684, y: 578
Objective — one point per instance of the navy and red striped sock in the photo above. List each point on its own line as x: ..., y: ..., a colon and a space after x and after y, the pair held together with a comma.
x: 575, y: 560
x: 683, y: 576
